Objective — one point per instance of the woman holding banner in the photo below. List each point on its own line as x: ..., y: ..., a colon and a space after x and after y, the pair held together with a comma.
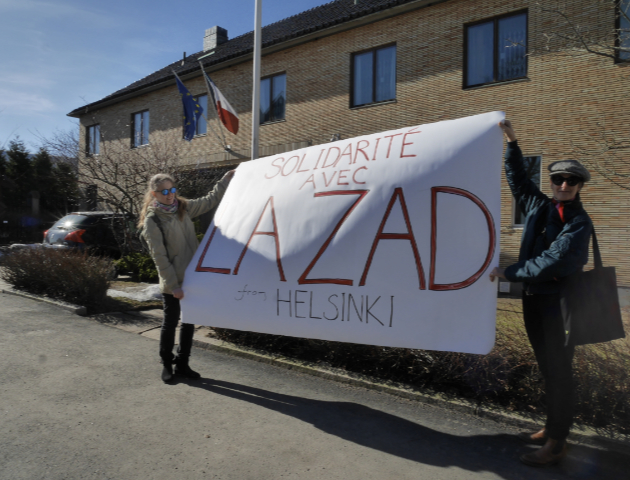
x: 167, y: 227
x: 554, y: 244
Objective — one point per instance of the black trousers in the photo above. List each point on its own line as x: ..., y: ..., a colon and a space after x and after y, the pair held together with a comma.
x: 172, y: 312
x: 545, y: 329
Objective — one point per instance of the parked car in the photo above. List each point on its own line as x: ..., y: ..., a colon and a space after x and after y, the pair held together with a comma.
x: 96, y: 231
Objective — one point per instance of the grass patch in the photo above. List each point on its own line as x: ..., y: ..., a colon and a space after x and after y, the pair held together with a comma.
x: 507, y: 376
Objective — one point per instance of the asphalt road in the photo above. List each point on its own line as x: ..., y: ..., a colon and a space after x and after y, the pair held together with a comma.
x: 81, y: 400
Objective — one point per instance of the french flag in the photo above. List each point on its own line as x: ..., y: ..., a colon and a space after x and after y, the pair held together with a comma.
x: 226, y: 113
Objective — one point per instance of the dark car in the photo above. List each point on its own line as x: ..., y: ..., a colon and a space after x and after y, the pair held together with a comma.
x: 95, y: 231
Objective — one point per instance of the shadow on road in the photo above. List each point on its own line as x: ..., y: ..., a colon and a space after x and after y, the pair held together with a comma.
x: 403, y: 438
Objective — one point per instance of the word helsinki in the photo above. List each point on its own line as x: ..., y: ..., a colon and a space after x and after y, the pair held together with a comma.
x: 390, y: 234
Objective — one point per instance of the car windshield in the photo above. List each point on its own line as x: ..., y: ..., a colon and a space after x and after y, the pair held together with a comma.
x: 73, y: 221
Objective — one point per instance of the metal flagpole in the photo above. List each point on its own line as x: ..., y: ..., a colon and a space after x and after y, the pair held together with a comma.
x: 256, y: 79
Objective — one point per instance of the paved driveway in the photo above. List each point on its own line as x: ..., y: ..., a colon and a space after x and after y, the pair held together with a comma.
x: 81, y: 400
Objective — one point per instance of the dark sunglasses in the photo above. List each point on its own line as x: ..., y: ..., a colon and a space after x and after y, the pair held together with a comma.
x: 571, y: 181
x: 166, y: 191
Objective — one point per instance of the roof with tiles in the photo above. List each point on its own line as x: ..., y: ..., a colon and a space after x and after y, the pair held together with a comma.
x: 309, y: 21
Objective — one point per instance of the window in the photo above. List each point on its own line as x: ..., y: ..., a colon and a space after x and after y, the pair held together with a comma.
x: 93, y: 140
x: 273, y: 98
x: 495, y: 50
x: 140, y: 134
x: 532, y: 166
x: 623, y: 31
x: 373, y: 76
x: 202, y: 127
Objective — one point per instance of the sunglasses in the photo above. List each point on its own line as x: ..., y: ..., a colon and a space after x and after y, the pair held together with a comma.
x: 166, y: 191
x: 571, y: 181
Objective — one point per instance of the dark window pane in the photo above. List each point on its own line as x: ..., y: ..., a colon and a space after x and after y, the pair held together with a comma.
x: 145, y: 128
x: 363, y: 80
x: 512, y: 47
x: 386, y: 73
x: 480, y: 43
x: 97, y: 140
x: 93, y: 139
x: 624, y: 30
x: 137, y: 129
x: 532, y: 167
x: 265, y: 100
x: 279, y: 96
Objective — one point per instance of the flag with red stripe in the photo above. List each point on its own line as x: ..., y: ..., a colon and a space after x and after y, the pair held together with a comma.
x: 226, y: 112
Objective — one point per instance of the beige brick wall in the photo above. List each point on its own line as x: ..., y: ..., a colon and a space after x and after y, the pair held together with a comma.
x: 563, y: 106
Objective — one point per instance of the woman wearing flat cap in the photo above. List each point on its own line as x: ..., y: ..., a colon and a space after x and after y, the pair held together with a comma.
x: 556, y: 234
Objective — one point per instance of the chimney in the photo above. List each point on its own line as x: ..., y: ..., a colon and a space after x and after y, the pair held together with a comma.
x: 214, y: 36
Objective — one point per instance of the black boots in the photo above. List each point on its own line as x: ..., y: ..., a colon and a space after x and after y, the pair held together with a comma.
x: 167, y: 373
x: 183, y: 370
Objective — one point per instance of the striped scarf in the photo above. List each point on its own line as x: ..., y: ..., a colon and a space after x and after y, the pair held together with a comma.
x: 172, y: 208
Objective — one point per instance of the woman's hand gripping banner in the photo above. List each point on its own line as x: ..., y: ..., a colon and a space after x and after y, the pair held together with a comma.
x: 383, y: 239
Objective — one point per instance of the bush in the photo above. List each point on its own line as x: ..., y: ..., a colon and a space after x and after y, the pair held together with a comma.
x: 139, y: 266
x: 507, y: 376
x: 72, y: 276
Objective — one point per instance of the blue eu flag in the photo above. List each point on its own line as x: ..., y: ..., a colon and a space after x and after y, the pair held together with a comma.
x: 192, y: 110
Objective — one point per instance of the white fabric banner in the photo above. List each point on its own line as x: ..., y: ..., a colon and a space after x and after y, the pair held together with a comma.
x: 386, y: 239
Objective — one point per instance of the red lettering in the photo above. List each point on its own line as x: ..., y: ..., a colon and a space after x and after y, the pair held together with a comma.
x: 376, y: 148
x: 326, y: 159
x: 300, y: 165
x: 319, y: 158
x: 331, y: 178
x: 391, y: 139
x: 224, y: 271
x: 337, y: 281
x: 273, y: 234
x: 354, y: 175
x: 296, y: 165
x: 341, y: 175
x: 311, y: 179
x: 409, y: 236
x: 402, y: 149
x: 359, y: 149
x: 491, y: 234
x: 279, y: 167
x: 347, y: 151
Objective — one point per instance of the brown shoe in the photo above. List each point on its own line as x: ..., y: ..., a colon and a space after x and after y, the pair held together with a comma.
x: 545, y: 456
x: 536, y: 438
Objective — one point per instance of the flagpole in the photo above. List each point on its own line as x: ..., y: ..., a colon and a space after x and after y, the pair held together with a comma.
x: 256, y: 79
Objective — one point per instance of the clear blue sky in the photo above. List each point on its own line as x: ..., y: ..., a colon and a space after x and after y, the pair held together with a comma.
x: 57, y: 55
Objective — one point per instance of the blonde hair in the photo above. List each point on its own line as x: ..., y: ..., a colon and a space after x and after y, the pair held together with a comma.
x: 155, y: 184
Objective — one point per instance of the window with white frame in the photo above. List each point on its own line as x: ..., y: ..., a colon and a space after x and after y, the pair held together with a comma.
x: 533, y: 169
x: 140, y: 133
x: 496, y: 50
x: 93, y: 140
x: 373, y: 76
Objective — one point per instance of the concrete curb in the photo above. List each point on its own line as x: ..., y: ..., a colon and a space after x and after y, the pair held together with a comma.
x: 579, y: 435
x: 76, y: 309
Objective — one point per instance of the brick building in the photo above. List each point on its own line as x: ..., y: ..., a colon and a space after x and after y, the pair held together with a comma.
x: 355, y: 67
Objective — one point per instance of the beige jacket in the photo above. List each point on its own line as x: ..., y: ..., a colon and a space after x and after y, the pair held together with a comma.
x: 181, y: 240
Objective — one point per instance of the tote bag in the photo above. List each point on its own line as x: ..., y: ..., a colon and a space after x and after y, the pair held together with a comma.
x: 590, y: 304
